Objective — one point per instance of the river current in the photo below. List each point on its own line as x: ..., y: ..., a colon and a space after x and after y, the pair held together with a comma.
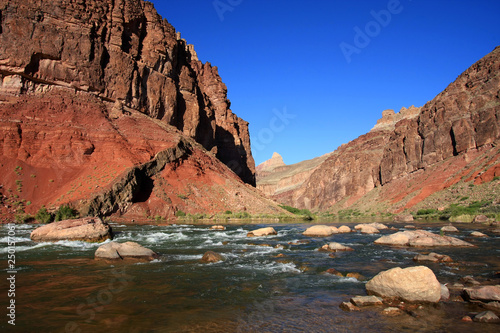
x: 265, y: 284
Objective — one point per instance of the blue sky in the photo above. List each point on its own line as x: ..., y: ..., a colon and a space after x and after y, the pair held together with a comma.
x: 310, y: 76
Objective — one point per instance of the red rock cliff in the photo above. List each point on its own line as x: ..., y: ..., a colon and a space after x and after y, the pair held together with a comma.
x: 122, y: 52
x: 410, y: 155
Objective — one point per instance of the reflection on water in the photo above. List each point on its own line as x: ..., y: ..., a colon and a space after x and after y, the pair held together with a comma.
x: 61, y: 288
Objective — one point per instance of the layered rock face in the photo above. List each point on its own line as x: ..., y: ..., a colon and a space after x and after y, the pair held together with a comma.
x: 124, y: 53
x: 412, y: 154
x: 66, y: 147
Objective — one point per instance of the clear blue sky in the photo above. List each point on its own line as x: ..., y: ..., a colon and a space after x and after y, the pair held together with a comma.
x: 289, y: 57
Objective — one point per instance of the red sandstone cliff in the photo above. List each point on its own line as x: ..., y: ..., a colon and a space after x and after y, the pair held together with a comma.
x: 103, y: 106
x: 410, y: 155
x: 123, y: 52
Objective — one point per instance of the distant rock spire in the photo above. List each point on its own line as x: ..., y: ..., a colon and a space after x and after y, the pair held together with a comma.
x: 271, y: 164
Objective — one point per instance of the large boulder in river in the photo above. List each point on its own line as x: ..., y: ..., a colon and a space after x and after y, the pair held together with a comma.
x: 420, y: 238
x: 89, y: 229
x: 413, y: 284
x: 320, y: 231
x: 262, y: 232
x: 114, y: 250
x: 403, y: 218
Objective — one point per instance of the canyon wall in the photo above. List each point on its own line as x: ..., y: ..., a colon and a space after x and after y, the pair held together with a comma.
x: 412, y: 154
x: 124, y: 53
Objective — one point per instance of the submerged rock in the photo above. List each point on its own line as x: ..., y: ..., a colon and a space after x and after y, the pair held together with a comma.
x: 334, y: 247
x: 89, y: 229
x: 349, y: 307
x: 434, y: 257
x: 413, y: 284
x: 320, y: 231
x: 366, y: 300
x: 421, y: 238
x: 211, y: 257
x: 486, y: 317
x: 484, y: 293
x: 478, y: 234
x: 262, y: 232
x: 114, y: 250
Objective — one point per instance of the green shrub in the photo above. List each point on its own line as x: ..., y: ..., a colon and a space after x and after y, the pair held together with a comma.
x: 228, y: 212
x: 23, y: 218
x: 180, y: 213
x: 43, y: 216
x: 427, y: 211
x: 65, y: 212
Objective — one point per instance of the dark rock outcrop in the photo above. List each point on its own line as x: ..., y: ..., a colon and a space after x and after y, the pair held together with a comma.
x: 124, y: 53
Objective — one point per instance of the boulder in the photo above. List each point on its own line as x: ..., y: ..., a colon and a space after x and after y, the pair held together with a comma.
x: 217, y: 227
x: 319, y: 231
x: 445, y: 293
x: 420, y: 238
x: 484, y: 293
x: 334, y: 247
x: 392, y: 311
x: 478, y: 234
x: 486, y: 317
x: 89, y: 229
x: 262, y: 232
x: 449, y: 228
x: 413, y: 284
x: 211, y: 257
x: 368, y: 229
x: 434, y: 257
x: 344, y: 229
x: 114, y: 250
x: 366, y: 300
x: 356, y: 276
x: 375, y: 225
x: 480, y: 219
x: 403, y: 218
x: 349, y: 307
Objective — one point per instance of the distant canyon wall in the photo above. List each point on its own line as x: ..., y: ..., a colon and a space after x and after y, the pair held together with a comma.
x: 461, y: 121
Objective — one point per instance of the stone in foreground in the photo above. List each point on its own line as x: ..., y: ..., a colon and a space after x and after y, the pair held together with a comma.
x: 114, y: 250
x: 348, y: 306
x: 320, y: 231
x: 487, y: 317
x: 89, y: 229
x: 413, y: 284
x: 211, y: 257
x: 485, y: 293
x: 420, y: 238
x: 366, y: 300
x: 262, y: 232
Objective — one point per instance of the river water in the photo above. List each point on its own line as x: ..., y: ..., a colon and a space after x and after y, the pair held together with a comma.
x: 61, y: 288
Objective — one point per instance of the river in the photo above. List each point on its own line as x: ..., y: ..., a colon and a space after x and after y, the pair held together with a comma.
x: 61, y: 288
